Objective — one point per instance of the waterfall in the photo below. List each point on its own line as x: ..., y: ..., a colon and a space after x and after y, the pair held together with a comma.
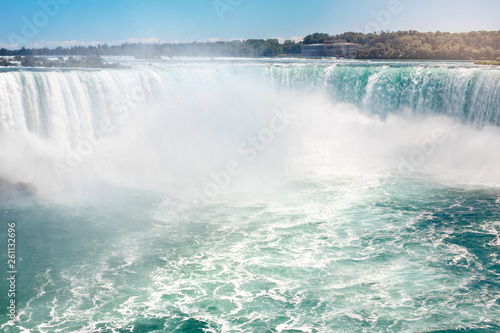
x: 129, y: 124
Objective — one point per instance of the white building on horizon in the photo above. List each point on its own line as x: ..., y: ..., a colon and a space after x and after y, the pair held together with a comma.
x: 339, y: 50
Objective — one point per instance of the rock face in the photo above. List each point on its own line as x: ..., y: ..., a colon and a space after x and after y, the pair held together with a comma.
x: 10, y: 189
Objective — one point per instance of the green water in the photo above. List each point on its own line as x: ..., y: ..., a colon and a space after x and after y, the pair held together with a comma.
x: 362, y: 255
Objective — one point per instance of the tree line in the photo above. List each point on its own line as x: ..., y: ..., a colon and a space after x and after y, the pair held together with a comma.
x: 474, y: 45
x: 246, y: 48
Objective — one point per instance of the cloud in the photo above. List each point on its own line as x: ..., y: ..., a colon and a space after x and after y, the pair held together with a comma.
x: 213, y: 40
x: 150, y: 40
x: 8, y: 46
x: 70, y: 43
x: 67, y: 43
x: 282, y: 40
x: 297, y: 39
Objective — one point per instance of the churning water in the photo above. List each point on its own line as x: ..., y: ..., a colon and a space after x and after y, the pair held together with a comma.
x: 253, y: 195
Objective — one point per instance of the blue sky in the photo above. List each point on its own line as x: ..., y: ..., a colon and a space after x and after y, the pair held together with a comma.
x: 35, y: 23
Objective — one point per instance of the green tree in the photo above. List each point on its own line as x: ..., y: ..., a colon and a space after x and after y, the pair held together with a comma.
x: 316, y: 38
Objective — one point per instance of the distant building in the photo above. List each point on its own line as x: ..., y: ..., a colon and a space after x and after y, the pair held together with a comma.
x: 340, y: 50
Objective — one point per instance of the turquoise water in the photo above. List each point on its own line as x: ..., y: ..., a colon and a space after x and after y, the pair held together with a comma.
x: 325, y: 229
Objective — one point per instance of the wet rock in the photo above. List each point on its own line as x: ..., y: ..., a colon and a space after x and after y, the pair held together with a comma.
x: 11, y: 189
